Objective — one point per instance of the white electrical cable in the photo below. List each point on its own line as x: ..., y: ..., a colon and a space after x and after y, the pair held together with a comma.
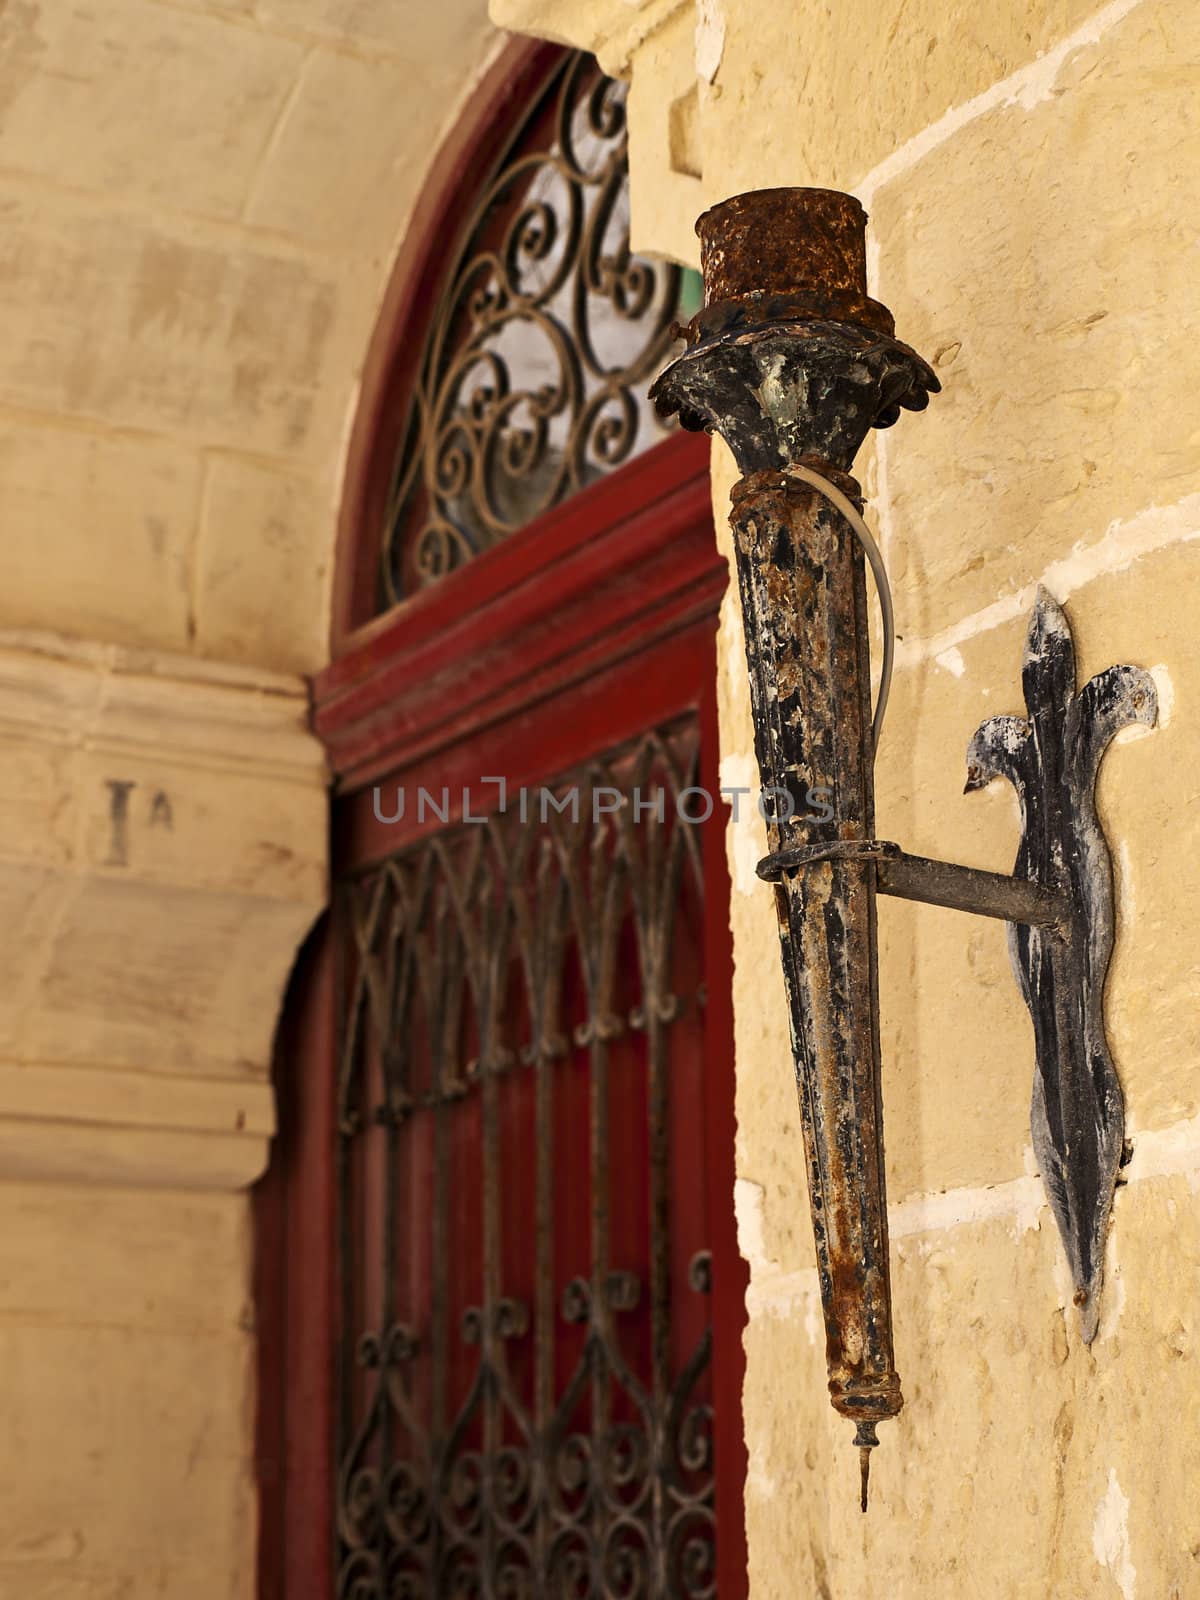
x: 883, y: 588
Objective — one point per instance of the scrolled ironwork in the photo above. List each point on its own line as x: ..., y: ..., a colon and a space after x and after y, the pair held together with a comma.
x: 545, y: 1442
x: 700, y: 1272
x: 406, y: 1506
x: 623, y: 1290
x: 533, y: 379
x: 577, y: 1301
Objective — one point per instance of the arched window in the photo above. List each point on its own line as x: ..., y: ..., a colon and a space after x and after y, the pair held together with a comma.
x: 512, y: 1344
x: 543, y: 341
x: 542, y: 334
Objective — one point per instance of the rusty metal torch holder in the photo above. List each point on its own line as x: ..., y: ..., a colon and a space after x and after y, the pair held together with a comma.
x: 793, y: 364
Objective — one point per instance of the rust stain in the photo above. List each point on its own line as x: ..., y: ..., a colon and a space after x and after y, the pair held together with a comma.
x: 789, y: 253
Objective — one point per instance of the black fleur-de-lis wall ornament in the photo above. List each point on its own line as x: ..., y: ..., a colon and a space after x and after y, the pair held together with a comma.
x: 793, y: 364
x: 1052, y: 758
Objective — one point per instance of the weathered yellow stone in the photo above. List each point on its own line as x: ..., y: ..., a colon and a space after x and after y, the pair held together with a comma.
x: 33, y: 897
x: 665, y: 192
x: 770, y: 1150
x: 262, y: 566
x: 418, y: 36
x: 183, y: 984
x: 207, y: 97
x: 997, y: 1479
x: 199, y: 213
x: 163, y: 853
x: 1044, y: 260
x: 91, y: 1230
x: 610, y: 29
x: 339, y: 174
x: 812, y: 95
x: 124, y: 1329
x: 1149, y: 800
x: 957, y: 1044
x: 1023, y: 1465
x: 164, y: 327
x: 98, y: 532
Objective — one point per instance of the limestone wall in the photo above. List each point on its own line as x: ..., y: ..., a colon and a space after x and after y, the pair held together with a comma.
x: 201, y: 204
x: 201, y: 207
x: 1032, y: 171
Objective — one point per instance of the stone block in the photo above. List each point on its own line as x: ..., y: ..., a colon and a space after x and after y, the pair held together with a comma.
x: 161, y: 1421
x: 1149, y: 801
x: 809, y: 95
x: 998, y: 1476
x: 163, y: 326
x: 33, y: 898
x: 68, y: 1247
x: 957, y: 1044
x: 154, y: 976
x: 207, y: 96
x: 263, y: 567
x: 340, y: 172
x: 611, y: 30
x: 1045, y: 264
x: 380, y: 28
x: 157, y: 878
x: 99, y: 529
x: 665, y: 150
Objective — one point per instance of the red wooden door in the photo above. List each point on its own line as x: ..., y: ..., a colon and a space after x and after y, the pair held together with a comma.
x: 500, y: 1295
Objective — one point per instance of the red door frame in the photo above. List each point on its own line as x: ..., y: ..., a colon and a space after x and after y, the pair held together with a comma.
x: 595, y: 622
x: 592, y: 624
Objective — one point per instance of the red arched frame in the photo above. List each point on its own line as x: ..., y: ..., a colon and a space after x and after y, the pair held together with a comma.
x: 594, y: 622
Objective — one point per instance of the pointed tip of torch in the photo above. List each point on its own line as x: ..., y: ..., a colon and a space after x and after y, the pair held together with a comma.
x: 866, y: 1439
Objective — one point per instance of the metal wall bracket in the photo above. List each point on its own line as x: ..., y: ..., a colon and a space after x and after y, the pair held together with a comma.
x: 1052, y: 758
x: 793, y: 364
x: 1058, y: 903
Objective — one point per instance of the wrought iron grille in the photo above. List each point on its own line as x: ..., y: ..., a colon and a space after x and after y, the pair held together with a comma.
x: 524, y: 1333
x: 532, y: 382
